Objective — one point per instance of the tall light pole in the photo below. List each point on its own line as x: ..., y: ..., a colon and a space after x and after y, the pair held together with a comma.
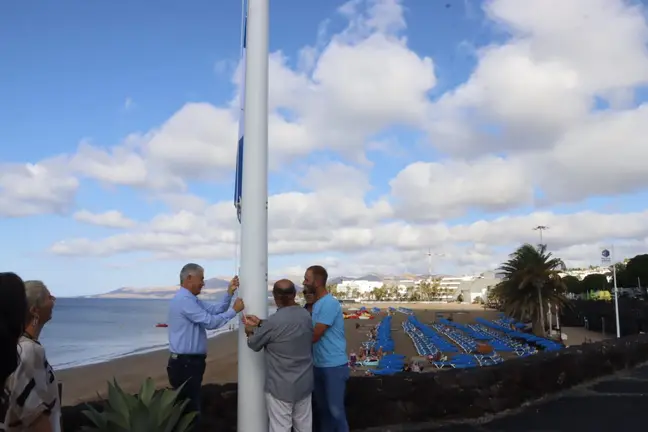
x: 607, y: 257
x: 540, y: 229
x: 430, y: 255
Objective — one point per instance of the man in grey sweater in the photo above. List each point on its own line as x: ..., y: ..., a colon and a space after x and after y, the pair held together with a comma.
x: 287, y: 337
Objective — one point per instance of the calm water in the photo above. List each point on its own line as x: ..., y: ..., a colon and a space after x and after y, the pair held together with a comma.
x: 84, y: 331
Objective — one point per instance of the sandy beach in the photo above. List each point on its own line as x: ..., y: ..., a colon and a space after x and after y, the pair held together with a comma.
x: 85, y: 383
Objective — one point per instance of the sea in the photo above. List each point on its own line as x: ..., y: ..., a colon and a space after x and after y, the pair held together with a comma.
x: 90, y: 330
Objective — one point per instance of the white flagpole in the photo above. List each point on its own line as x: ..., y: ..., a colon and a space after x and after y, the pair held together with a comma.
x: 252, y: 414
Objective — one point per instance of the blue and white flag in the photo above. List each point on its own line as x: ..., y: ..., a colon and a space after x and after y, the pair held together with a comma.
x: 238, y: 181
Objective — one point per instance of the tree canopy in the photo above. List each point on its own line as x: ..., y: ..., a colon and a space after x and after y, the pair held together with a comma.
x: 595, y: 282
x: 637, y: 270
x: 531, y: 281
x: 573, y: 285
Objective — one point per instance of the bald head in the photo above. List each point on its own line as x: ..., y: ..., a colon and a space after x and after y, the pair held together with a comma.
x: 284, y: 292
x: 284, y: 286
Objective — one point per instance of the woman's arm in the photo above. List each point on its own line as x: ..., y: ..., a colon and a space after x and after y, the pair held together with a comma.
x: 41, y: 424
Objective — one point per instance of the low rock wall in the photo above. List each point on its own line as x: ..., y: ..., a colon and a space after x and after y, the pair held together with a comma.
x: 458, y: 393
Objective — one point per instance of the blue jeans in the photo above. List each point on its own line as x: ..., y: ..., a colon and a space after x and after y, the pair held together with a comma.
x: 330, y: 388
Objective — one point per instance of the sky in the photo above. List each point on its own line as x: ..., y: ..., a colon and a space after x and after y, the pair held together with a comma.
x: 396, y: 128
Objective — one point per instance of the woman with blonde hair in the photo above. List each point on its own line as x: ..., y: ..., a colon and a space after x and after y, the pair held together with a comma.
x: 35, y: 404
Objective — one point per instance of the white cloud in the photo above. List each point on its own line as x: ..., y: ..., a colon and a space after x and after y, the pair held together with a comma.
x: 528, y: 129
x: 436, y: 191
x: 30, y: 189
x: 109, y: 219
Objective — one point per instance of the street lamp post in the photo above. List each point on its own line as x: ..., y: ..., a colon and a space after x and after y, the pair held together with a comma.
x: 430, y: 255
x: 607, y: 258
x: 540, y: 229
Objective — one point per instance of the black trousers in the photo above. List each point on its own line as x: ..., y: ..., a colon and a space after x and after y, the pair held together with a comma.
x: 188, y: 370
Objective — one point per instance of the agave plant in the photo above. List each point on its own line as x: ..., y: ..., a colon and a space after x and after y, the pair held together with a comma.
x: 149, y: 411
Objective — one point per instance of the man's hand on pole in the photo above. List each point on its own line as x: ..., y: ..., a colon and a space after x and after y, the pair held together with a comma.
x: 233, y: 286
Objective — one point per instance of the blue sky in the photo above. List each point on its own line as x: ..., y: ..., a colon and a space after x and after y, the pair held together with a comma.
x: 497, y: 116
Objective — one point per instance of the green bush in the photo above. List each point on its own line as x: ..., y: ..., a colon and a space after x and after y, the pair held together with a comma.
x: 148, y: 411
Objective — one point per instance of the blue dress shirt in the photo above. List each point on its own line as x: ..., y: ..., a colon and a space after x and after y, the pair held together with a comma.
x: 190, y: 318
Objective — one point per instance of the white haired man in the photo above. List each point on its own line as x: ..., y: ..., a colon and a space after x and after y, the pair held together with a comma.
x: 189, y: 320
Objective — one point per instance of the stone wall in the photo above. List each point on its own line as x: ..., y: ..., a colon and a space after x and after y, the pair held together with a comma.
x: 458, y: 393
x: 633, y: 315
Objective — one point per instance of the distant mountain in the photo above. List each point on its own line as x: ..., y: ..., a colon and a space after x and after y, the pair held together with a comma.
x: 338, y: 280
x: 214, y: 287
x: 216, y: 283
x: 372, y: 277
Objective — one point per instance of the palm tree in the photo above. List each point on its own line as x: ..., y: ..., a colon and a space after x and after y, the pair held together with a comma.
x: 531, y: 279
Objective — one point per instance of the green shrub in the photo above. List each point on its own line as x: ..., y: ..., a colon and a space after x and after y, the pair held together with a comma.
x: 148, y: 411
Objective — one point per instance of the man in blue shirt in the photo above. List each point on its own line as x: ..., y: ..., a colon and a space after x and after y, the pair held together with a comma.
x: 331, y: 370
x: 189, y: 320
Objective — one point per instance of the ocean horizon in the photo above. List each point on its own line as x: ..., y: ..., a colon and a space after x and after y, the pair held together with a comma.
x: 87, y: 331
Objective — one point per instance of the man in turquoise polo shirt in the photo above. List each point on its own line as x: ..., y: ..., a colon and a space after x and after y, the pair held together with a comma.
x: 331, y: 370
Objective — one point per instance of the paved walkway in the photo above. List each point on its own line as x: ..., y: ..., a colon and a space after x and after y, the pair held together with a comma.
x: 618, y: 403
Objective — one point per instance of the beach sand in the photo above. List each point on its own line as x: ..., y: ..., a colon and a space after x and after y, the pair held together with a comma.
x: 81, y: 384
x: 86, y: 383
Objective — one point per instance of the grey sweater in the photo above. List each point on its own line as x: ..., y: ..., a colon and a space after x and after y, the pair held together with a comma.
x: 287, y: 337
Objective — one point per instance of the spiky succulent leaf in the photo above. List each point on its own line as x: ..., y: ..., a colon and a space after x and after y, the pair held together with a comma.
x: 142, y: 419
x: 117, y: 421
x: 168, y: 400
x: 118, y: 404
x: 176, y: 416
x: 95, y: 417
x: 131, y: 401
x: 146, y: 391
x: 151, y: 410
x: 185, y: 422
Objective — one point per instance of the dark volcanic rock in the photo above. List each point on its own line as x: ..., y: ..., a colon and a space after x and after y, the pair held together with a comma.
x: 458, y: 393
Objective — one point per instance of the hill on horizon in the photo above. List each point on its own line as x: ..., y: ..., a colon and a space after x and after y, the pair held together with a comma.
x: 213, y: 287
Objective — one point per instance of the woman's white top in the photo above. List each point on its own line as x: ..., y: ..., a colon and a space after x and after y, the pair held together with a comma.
x: 32, y: 389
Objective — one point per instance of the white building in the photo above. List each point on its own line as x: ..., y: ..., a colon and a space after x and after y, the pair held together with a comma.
x: 357, y: 288
x: 582, y: 273
x: 450, y: 287
x: 477, y: 286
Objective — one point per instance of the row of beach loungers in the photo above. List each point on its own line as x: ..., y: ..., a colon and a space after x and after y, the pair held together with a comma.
x: 429, y: 342
x: 390, y: 363
x: 503, y: 324
x: 500, y: 335
x: 500, y: 341
x: 403, y: 310
x: 475, y: 334
x: 435, y: 340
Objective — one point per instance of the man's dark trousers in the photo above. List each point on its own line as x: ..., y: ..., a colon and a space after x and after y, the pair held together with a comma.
x: 187, y: 369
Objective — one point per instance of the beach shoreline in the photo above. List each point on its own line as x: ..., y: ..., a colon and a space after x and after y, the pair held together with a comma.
x: 90, y: 382
x: 134, y: 352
